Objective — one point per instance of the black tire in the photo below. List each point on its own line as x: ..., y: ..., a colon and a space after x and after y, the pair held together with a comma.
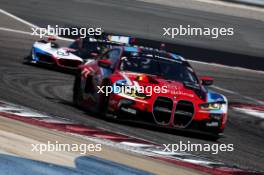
x: 29, y: 58
x: 103, y: 103
x: 77, y: 90
x: 215, y: 137
x: 215, y: 134
x: 55, y: 45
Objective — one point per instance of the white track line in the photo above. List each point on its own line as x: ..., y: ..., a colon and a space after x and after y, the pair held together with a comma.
x: 235, y: 93
x: 216, y: 87
x: 15, y: 31
x: 233, y: 5
x: 29, y: 33
x: 143, y: 149
x: 18, y: 19
x: 252, y: 112
x: 227, y: 67
x: 198, y: 62
x: 26, y: 23
x: 220, y: 3
x: 67, y: 39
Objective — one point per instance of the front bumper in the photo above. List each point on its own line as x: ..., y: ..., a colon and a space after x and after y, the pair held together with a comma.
x: 181, y: 114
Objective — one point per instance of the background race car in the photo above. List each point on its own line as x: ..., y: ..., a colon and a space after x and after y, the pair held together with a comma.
x: 48, y: 52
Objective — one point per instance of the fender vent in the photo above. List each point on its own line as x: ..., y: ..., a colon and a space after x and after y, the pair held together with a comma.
x: 69, y: 63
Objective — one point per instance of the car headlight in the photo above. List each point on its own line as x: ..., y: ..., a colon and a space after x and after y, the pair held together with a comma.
x: 212, y: 106
x: 134, y: 93
x: 131, y: 91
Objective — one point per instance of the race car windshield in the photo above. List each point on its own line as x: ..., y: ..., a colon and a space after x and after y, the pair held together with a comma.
x: 166, y: 68
x: 87, y: 48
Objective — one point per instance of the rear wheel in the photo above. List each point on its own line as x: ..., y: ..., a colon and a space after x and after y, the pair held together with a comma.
x: 77, y: 90
x: 103, y: 103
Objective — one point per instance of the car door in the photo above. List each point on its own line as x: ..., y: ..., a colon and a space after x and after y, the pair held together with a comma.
x: 102, y: 73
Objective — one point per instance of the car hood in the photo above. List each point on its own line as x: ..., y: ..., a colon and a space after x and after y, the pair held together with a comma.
x: 175, y: 89
x: 65, y: 53
x: 60, y: 53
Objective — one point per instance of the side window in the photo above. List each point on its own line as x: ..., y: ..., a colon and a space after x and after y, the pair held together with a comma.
x: 74, y: 45
x: 112, y: 55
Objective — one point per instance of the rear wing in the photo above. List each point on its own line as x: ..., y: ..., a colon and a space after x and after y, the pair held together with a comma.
x: 112, y: 39
x: 122, y: 39
x: 131, y: 41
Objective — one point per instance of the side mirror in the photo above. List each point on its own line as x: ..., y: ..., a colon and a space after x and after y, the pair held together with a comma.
x: 206, y: 80
x: 51, y: 38
x: 105, y: 64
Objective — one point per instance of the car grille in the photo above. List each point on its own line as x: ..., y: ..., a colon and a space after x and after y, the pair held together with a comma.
x: 69, y: 63
x: 45, y: 58
x: 162, y: 110
x: 183, y: 113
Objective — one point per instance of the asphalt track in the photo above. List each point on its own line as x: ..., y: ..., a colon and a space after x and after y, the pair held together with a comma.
x: 51, y: 92
x: 244, y: 49
x: 24, y: 160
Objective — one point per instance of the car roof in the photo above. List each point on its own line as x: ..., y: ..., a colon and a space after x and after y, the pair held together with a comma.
x: 153, y: 51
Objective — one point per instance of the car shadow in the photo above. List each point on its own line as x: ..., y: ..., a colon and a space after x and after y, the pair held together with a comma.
x: 49, y: 67
x: 141, y: 125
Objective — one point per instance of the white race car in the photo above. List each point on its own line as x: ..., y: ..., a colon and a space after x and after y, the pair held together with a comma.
x: 48, y: 51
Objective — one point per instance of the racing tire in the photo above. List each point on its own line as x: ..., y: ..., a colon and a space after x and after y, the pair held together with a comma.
x: 77, y: 91
x: 103, y: 103
x: 215, y: 137
x: 29, y: 59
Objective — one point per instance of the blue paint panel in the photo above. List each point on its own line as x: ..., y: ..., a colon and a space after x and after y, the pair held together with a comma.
x: 39, y: 51
x: 84, y: 165
x: 131, y: 49
x: 12, y: 165
x: 106, y: 167
x: 117, y: 85
x: 213, y: 97
x: 175, y: 56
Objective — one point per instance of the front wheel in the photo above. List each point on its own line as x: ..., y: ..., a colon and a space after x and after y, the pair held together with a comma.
x: 215, y: 137
x: 30, y: 58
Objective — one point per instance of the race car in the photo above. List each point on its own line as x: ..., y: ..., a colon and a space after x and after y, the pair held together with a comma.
x: 151, y: 86
x: 48, y: 51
